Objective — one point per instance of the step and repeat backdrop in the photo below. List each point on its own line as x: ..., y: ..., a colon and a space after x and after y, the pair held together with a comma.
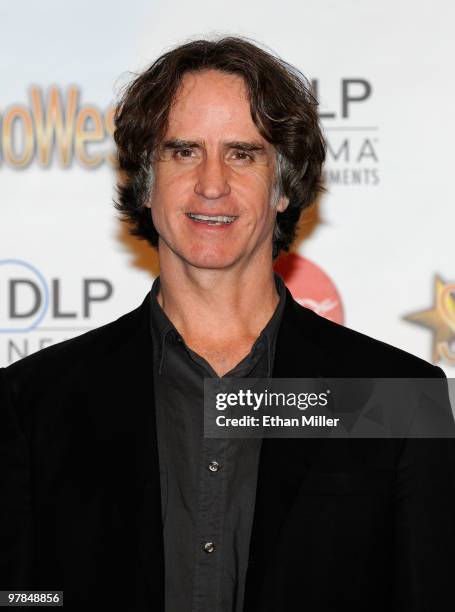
x: 375, y: 253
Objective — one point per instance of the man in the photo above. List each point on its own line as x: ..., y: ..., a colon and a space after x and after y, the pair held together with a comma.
x: 111, y: 491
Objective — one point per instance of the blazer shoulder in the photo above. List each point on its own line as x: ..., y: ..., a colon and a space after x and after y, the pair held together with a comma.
x: 85, y: 351
x: 347, y: 346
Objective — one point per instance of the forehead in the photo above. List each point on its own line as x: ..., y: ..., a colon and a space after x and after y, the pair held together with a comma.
x: 212, y: 102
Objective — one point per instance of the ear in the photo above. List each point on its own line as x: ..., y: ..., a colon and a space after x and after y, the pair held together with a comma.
x: 283, y: 203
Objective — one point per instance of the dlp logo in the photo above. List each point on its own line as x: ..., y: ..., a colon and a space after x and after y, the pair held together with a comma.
x: 26, y: 297
x: 351, y: 93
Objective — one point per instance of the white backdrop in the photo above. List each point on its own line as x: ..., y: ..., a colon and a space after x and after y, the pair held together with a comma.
x: 381, y: 239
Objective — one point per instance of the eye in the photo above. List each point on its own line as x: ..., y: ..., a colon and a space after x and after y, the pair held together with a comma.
x: 240, y: 155
x: 183, y: 153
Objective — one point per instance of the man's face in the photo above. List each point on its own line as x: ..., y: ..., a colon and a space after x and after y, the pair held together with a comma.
x: 214, y: 179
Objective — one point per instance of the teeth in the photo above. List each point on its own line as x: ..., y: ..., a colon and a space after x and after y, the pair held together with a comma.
x: 212, y: 219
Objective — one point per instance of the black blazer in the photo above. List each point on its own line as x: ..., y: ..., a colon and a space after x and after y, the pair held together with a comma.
x: 338, y: 524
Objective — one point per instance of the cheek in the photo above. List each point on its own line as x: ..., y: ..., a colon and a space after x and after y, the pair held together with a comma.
x: 170, y: 193
x: 169, y: 174
x: 254, y: 188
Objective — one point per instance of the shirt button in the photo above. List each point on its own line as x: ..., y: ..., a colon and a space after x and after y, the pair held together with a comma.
x: 214, y: 466
x: 209, y: 547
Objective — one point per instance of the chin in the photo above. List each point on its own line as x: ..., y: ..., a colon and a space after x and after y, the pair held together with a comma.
x: 211, y: 259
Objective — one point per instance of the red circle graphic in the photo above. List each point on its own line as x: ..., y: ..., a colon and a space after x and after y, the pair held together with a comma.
x: 310, y: 286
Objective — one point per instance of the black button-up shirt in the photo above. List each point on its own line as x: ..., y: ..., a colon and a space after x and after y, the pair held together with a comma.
x: 208, y: 486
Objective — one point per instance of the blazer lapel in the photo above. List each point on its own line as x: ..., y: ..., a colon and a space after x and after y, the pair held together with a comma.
x: 129, y: 379
x: 284, y: 462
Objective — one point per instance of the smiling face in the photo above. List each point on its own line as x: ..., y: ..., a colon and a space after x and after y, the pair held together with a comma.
x: 213, y: 190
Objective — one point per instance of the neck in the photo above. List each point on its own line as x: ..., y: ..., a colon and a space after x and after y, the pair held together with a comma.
x: 218, y: 306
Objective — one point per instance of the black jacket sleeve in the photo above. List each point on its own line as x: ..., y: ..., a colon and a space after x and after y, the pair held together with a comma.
x: 425, y: 523
x: 15, y: 497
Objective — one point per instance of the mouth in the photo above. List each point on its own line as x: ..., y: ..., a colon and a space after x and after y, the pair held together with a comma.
x: 212, y: 219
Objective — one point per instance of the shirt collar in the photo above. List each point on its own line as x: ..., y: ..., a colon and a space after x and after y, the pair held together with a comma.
x: 161, y: 326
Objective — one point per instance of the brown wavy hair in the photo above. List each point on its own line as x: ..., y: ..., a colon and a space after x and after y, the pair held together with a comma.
x: 282, y: 107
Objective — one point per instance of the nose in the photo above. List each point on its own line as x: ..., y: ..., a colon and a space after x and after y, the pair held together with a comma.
x: 212, y: 179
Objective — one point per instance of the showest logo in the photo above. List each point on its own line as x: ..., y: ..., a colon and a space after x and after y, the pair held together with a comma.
x: 56, y: 126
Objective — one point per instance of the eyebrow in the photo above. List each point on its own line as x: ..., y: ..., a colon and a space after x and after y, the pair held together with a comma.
x: 177, y: 143
x: 246, y: 146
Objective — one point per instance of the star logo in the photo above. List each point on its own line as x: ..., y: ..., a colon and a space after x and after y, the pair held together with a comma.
x: 441, y: 320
